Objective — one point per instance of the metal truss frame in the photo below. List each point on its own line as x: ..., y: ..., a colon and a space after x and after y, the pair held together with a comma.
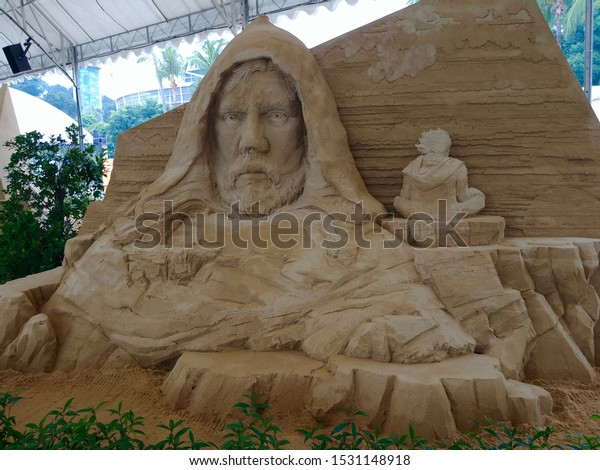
x: 225, y: 14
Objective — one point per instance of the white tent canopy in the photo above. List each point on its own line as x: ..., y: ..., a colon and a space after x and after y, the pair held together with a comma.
x: 68, y: 32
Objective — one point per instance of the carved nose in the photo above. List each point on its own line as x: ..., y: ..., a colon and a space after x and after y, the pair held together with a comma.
x: 252, y: 139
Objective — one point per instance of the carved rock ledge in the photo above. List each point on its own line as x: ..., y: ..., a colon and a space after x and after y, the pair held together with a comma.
x: 444, y: 396
x: 27, y: 338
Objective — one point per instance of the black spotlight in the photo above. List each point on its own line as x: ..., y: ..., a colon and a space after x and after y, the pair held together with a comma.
x: 16, y: 57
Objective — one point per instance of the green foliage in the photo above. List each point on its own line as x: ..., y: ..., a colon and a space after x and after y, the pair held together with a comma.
x: 574, y: 49
x: 66, y: 428
x: 176, y: 439
x: 575, y: 16
x: 62, y: 98
x: 93, y: 122
x: 169, y: 66
x: 566, y: 18
x: 50, y: 184
x: 581, y: 441
x: 203, y: 59
x: 495, y: 435
x: 56, y: 95
x: 575, y: 57
x: 8, y: 433
x: 348, y: 435
x: 254, y: 431
x: 126, y: 118
x: 108, y: 107
x: 33, y: 86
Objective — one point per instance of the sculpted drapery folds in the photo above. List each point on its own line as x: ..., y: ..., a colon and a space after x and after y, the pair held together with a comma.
x: 434, y: 175
x: 287, y: 264
x: 330, y: 168
x: 263, y: 125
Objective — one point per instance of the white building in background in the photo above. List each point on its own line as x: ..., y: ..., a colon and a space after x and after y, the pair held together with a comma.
x: 596, y: 99
x: 128, y: 81
x: 185, y: 90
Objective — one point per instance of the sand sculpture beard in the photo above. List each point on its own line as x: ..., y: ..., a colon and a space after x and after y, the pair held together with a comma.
x: 257, y: 189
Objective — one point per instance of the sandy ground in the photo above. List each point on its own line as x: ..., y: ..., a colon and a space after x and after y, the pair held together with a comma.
x: 139, y: 390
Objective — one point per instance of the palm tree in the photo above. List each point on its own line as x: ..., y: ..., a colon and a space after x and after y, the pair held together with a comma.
x: 204, y: 59
x: 144, y: 58
x: 169, y: 66
x: 575, y: 17
x: 554, y: 11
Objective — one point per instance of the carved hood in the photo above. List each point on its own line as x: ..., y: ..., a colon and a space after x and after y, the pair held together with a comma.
x: 333, y: 182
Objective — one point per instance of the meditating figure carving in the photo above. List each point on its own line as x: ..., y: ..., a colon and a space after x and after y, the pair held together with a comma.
x: 261, y: 142
x: 434, y: 176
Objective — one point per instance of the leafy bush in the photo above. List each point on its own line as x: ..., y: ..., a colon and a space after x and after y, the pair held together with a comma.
x: 50, y: 185
x: 65, y: 428
x: 581, y: 441
x: 494, y: 435
x: 348, y: 435
x: 254, y: 431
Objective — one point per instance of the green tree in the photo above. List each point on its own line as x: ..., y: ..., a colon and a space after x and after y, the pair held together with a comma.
x: 92, y: 123
x: 33, y: 86
x: 203, y: 59
x: 574, y: 50
x: 159, y: 77
x: 169, y: 66
x: 108, y: 106
x: 62, y: 98
x: 50, y: 184
x: 575, y: 17
x: 565, y: 17
x: 554, y: 11
x: 56, y: 95
x: 126, y: 118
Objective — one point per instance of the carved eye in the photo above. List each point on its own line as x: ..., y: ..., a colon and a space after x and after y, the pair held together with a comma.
x: 232, y: 118
x: 277, y: 116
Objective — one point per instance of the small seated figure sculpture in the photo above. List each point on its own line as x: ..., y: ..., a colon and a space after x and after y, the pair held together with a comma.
x: 434, y: 176
x: 311, y: 319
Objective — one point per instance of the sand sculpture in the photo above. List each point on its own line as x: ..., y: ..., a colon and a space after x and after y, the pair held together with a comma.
x: 434, y: 176
x: 437, y: 203
x: 256, y: 263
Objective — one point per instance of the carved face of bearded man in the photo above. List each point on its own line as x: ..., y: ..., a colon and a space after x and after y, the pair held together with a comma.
x: 259, y: 138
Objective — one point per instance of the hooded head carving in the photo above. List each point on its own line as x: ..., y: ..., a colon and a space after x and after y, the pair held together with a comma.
x: 264, y: 77
x: 262, y: 127
x: 258, y: 140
